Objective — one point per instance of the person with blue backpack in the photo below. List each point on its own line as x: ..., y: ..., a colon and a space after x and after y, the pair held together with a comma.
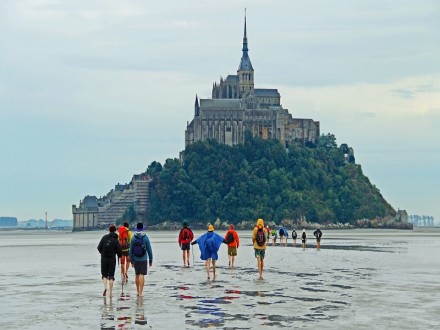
x: 209, y: 244
x: 141, y: 256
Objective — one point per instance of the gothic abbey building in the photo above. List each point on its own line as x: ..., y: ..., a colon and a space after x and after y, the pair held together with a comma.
x: 236, y: 106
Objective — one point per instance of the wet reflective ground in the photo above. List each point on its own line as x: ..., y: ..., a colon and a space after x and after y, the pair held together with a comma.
x: 361, y: 279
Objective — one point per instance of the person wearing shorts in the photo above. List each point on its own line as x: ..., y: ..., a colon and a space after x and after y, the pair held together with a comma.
x: 185, y: 237
x: 140, y: 263
x: 233, y: 242
x: 259, y: 246
x: 318, y: 234
x: 109, y: 247
x: 304, y: 239
x: 124, y: 231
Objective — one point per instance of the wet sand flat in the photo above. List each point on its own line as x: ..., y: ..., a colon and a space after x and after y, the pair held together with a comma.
x: 359, y: 278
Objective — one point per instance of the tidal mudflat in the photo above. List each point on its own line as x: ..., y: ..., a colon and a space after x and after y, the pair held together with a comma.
x: 359, y: 278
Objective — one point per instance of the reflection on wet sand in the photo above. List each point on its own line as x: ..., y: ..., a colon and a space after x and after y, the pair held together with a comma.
x: 120, y: 315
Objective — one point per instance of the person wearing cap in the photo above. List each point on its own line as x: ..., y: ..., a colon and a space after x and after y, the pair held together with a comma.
x: 209, y: 243
x: 233, y: 242
x: 109, y: 247
x: 304, y: 239
x: 185, y: 237
x: 141, y: 255
x: 318, y: 234
x: 259, y: 239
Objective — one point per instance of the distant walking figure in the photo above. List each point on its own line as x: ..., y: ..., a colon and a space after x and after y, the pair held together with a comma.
x: 209, y: 243
x: 141, y: 256
x: 304, y: 239
x: 185, y: 237
x: 259, y: 239
x: 109, y: 247
x: 281, y: 234
x: 294, y: 236
x: 318, y: 234
x: 233, y: 242
x: 273, y: 233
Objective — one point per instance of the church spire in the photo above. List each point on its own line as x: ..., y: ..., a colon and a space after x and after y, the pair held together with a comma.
x: 245, y: 44
x: 196, y: 106
x: 245, y: 70
x: 245, y: 63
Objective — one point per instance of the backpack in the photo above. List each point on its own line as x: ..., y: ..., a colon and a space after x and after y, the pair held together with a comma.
x: 139, y: 248
x: 185, y: 234
x: 123, y: 239
x: 260, y: 237
x: 108, y: 246
x: 230, y: 238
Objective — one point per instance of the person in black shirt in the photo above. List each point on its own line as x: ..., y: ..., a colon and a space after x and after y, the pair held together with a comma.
x: 109, y: 247
x: 304, y: 239
x: 318, y: 234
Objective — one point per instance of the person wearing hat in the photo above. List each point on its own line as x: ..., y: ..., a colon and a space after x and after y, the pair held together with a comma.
x: 259, y: 239
x: 141, y: 255
x: 109, y: 247
x: 185, y: 237
x: 233, y: 242
x: 209, y: 243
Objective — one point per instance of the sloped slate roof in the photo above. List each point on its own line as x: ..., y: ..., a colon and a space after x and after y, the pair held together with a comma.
x: 219, y: 104
x: 232, y: 78
x: 266, y: 92
x: 245, y: 64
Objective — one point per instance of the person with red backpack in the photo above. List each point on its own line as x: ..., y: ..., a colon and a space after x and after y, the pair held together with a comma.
x: 259, y: 239
x: 233, y: 242
x: 125, y: 235
x: 185, y: 237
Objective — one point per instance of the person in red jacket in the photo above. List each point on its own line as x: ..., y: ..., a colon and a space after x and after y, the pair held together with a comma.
x: 233, y: 242
x: 185, y: 237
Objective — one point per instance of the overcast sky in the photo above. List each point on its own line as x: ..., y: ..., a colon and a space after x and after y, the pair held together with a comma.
x: 91, y: 92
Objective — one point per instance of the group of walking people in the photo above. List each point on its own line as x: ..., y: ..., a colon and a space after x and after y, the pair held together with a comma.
x: 130, y: 249
x: 283, y: 236
x: 135, y: 249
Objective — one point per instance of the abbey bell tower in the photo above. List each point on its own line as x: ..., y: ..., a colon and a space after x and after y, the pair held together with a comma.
x: 245, y: 70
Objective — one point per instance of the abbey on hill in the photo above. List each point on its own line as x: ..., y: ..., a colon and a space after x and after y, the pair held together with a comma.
x: 237, y: 106
x: 254, y: 178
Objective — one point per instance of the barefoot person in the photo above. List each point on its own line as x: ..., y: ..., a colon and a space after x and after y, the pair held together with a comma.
x: 233, y: 242
x: 109, y: 247
x: 294, y: 236
x: 185, y: 237
x: 304, y: 239
x: 209, y: 243
x: 259, y: 239
x: 318, y: 234
x: 124, y: 239
x: 273, y: 233
x: 141, y: 256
